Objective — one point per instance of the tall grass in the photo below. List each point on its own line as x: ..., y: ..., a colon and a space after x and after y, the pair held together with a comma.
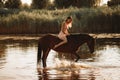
x: 90, y: 20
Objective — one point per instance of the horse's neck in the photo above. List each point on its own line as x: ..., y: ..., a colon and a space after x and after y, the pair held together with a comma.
x: 78, y: 38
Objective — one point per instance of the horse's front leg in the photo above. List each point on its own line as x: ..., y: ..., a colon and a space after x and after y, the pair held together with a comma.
x: 78, y: 57
x: 45, y: 55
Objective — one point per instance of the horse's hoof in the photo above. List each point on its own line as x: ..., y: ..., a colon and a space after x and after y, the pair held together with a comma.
x: 76, y: 60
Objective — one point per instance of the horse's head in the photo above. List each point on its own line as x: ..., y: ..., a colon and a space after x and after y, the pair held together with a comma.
x: 91, y: 44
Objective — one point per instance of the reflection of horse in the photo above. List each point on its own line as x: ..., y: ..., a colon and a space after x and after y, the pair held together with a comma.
x: 47, y: 42
x: 74, y: 74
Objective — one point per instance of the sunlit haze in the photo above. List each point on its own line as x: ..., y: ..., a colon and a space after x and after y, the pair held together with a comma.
x: 104, y: 2
x: 51, y: 0
x: 26, y: 2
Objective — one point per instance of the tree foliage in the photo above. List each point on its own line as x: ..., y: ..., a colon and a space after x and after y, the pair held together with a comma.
x: 13, y: 4
x: 1, y: 3
x: 39, y: 4
x: 76, y: 3
x: 113, y: 3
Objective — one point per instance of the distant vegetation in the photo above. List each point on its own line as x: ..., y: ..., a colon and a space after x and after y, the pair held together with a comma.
x: 85, y: 20
x: 40, y: 4
x: 46, y: 4
x: 45, y: 17
x: 76, y: 3
x: 43, y: 4
x: 113, y: 3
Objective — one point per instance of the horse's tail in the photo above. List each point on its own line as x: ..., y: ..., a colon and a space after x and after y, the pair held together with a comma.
x: 39, y: 53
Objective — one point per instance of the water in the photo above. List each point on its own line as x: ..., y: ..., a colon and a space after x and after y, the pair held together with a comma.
x: 18, y: 62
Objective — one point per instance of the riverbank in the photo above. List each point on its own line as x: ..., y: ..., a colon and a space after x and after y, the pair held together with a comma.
x: 36, y: 37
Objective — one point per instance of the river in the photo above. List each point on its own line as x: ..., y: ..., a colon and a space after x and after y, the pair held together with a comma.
x: 18, y: 55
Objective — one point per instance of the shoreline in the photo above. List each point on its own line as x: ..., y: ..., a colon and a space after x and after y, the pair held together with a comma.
x: 37, y: 36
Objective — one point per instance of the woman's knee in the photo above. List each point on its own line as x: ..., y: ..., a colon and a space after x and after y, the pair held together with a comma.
x: 65, y: 40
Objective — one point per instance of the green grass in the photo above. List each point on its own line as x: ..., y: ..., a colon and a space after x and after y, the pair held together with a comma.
x: 85, y: 20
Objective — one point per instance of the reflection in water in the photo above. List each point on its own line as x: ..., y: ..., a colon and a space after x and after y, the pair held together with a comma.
x: 2, y: 55
x: 18, y: 62
x: 109, y: 55
x: 66, y: 75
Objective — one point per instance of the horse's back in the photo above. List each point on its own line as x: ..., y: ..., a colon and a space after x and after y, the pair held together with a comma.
x: 79, y: 36
x: 70, y: 37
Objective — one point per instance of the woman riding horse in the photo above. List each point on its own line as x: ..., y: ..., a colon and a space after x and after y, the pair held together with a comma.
x: 65, y: 42
x: 47, y: 42
x: 64, y: 31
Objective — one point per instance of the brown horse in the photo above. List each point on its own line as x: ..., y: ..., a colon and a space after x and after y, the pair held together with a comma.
x: 47, y: 42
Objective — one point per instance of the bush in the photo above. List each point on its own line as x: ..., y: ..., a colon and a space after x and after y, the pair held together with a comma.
x: 113, y: 3
x: 40, y: 4
x: 85, y: 20
x: 13, y: 4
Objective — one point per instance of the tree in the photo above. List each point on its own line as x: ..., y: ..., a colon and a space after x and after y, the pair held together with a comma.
x: 1, y: 3
x: 39, y: 4
x: 113, y: 3
x: 13, y: 4
x: 76, y: 3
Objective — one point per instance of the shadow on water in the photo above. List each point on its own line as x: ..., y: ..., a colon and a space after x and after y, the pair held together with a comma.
x: 18, y: 61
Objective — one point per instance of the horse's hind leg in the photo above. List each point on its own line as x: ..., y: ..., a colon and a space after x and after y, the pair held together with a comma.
x: 45, y: 54
x: 78, y: 57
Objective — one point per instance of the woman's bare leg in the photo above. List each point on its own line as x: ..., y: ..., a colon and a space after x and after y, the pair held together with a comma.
x: 61, y: 43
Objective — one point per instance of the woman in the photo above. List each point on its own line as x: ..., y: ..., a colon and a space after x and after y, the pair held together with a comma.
x: 64, y: 31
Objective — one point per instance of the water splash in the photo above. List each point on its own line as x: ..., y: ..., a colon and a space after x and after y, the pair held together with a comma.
x: 70, y: 64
